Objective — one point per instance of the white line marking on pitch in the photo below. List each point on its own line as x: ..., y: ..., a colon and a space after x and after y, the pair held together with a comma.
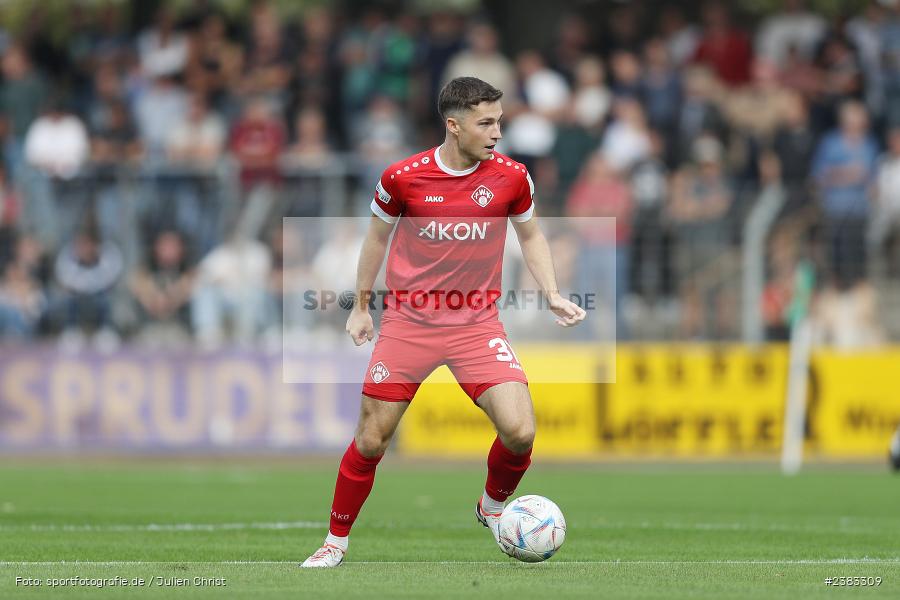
x: 188, y: 527
x: 168, y: 527
x: 824, y: 561
x: 843, y: 528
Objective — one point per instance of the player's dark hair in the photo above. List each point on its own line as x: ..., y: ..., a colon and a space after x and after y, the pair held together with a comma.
x: 464, y: 93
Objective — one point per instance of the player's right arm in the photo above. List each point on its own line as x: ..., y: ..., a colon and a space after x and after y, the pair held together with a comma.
x: 359, y: 324
x: 387, y: 208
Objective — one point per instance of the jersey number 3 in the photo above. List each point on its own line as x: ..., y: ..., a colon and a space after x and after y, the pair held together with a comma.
x: 504, y: 352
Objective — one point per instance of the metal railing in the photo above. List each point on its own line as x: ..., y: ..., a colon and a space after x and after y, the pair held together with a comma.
x: 679, y: 283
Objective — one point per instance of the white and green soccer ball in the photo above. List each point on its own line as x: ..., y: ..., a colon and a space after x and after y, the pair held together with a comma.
x: 531, y: 528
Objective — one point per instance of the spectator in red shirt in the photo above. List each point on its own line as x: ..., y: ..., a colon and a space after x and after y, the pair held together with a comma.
x: 257, y: 141
x: 604, y: 255
x: 723, y: 47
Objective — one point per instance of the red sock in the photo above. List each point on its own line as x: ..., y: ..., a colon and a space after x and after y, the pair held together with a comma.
x: 505, y: 470
x: 354, y: 482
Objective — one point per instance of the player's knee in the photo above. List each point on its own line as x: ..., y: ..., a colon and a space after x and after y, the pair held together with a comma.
x: 520, y: 438
x: 372, y: 443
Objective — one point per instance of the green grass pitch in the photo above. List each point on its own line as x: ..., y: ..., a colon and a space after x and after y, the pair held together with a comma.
x: 634, y: 531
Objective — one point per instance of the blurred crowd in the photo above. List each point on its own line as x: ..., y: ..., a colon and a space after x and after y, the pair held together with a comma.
x: 147, y: 165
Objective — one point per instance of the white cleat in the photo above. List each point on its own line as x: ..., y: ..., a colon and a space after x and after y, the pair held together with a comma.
x: 327, y: 556
x: 489, y: 520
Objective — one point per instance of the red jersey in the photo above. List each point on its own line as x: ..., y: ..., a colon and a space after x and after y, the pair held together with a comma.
x: 445, y: 261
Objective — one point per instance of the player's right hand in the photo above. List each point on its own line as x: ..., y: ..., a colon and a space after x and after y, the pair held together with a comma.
x: 360, y: 326
x: 569, y: 313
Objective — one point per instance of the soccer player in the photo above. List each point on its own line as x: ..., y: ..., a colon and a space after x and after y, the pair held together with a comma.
x: 450, y: 207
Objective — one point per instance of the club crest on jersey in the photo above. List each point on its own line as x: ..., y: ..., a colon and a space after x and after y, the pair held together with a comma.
x: 379, y: 372
x: 482, y: 196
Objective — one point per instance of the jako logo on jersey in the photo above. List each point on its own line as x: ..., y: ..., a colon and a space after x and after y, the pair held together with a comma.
x: 482, y: 196
x: 454, y: 231
x: 380, y: 372
x: 382, y: 193
x: 434, y: 198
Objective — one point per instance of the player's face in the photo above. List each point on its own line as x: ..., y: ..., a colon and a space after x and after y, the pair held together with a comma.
x: 479, y: 130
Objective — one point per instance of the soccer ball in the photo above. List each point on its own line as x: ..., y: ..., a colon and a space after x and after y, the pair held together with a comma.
x: 532, y: 528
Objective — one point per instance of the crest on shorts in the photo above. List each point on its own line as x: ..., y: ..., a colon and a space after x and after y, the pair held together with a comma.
x: 482, y: 196
x: 379, y: 372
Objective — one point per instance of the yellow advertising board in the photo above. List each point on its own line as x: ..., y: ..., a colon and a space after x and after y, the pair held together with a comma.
x: 694, y: 401
x: 855, y: 403
x: 670, y: 401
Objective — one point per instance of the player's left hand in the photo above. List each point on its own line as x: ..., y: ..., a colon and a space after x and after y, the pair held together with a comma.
x: 569, y: 313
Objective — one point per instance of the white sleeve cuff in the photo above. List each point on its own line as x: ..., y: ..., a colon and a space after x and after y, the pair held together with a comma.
x: 379, y: 212
x: 524, y: 216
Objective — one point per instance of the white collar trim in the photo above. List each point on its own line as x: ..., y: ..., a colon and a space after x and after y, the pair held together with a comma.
x: 448, y: 170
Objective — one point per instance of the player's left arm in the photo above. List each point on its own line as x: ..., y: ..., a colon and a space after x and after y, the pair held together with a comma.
x: 537, y: 255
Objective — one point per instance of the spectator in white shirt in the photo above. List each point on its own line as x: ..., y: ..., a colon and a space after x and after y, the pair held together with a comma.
x: 163, y: 50
x: 198, y: 138
x: 591, y: 99
x: 55, y: 149
x: 231, y: 285
x: 156, y: 109
x: 792, y: 27
x: 57, y: 143
x: 546, y: 91
x: 627, y: 139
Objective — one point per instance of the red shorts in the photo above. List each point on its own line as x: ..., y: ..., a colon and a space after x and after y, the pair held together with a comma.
x: 479, y: 356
